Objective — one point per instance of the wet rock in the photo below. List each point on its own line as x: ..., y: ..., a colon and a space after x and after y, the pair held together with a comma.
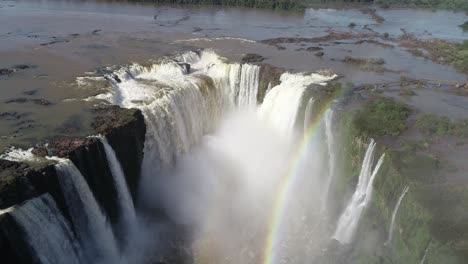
x: 319, y: 54
x: 40, y: 151
x: 96, y: 31
x: 20, y: 182
x: 252, y: 58
x: 116, y: 78
x: 362, y: 61
x: 22, y: 67
x: 311, y: 49
x: 269, y: 77
x: 185, y: 66
x: 125, y: 130
x: 74, y: 35
x: 54, y: 42
x: 12, y: 115
x: 352, y: 24
x: 5, y: 71
x: 22, y: 100
x: 31, y: 92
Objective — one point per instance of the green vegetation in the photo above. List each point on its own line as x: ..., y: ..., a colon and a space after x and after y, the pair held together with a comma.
x: 464, y: 26
x: 407, y: 92
x: 300, y: 5
x: 427, y: 214
x: 382, y: 117
x: 435, y: 125
x: 296, y: 5
x: 442, y: 4
x: 441, y: 51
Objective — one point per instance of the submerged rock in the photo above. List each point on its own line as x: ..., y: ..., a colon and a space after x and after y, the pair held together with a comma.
x: 22, y: 100
x: 5, y: 71
x: 252, y: 58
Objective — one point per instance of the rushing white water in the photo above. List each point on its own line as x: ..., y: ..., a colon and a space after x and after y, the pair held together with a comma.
x: 394, y: 214
x: 47, y: 232
x: 423, y: 260
x: 20, y: 155
x: 127, y: 209
x: 281, y: 105
x: 308, y: 114
x: 181, y: 106
x: 331, y: 156
x: 349, y: 220
x: 93, y: 231
x: 248, y: 87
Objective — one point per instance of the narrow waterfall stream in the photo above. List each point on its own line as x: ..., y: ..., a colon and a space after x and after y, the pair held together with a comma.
x: 394, y: 214
x: 93, y: 231
x: 127, y: 215
x: 349, y: 220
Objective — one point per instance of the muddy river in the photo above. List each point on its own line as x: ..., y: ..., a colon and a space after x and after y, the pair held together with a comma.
x: 59, y: 41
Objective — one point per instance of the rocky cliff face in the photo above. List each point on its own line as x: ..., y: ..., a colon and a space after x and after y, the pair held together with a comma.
x: 125, y: 130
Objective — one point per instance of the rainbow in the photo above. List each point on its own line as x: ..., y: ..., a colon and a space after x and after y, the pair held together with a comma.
x: 285, y: 187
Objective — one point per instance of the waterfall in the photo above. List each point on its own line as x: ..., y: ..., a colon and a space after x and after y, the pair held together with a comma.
x: 331, y: 156
x: 127, y: 209
x: 93, y: 232
x: 248, y: 87
x: 281, y: 104
x: 308, y: 114
x: 423, y: 260
x: 181, y: 106
x: 349, y: 220
x: 394, y: 214
x: 47, y: 231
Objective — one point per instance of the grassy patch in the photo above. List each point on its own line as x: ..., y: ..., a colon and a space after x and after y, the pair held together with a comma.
x: 440, y: 51
x: 464, y: 26
x: 407, y: 92
x: 382, y: 117
x: 435, y: 125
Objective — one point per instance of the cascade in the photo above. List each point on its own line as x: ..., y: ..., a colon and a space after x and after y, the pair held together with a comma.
x: 281, y: 104
x: 331, y: 156
x: 423, y: 260
x: 394, y: 214
x: 127, y: 209
x: 47, y: 232
x: 308, y: 114
x: 181, y: 106
x: 93, y: 232
x: 349, y: 220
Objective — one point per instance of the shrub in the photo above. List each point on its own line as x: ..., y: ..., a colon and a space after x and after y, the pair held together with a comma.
x: 430, y: 124
x: 382, y: 117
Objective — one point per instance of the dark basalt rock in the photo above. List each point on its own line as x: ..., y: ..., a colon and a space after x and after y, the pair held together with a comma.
x: 20, y: 182
x: 22, y: 100
x: 12, y: 115
x: 5, y: 71
x: 125, y: 130
x: 319, y: 54
x: 252, y: 58
x: 269, y: 77
x: 31, y: 92
x: 185, y: 66
x: 313, y: 48
x: 22, y: 67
